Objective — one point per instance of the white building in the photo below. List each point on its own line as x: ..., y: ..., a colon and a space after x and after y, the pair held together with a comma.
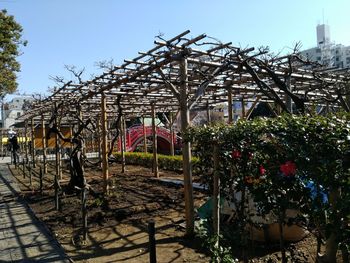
x: 327, y: 53
x: 12, y: 110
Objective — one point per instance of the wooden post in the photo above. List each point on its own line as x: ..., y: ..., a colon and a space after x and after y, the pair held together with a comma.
x: 229, y: 106
x: 2, y: 145
x: 104, y: 142
x: 98, y: 122
x: 26, y: 140
x: 33, y: 141
x: 57, y: 173
x: 288, y: 99
x: 144, y: 134
x: 43, y: 134
x: 154, y: 133
x: 24, y: 168
x: 186, y: 150
x: 125, y: 134
x: 208, y: 114
x: 41, y: 180
x: 20, y: 140
x: 216, y: 194
x: 243, y: 107
x: 122, y: 142
x: 172, y: 135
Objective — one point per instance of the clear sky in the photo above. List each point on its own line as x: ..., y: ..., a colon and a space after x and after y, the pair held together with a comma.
x: 82, y: 32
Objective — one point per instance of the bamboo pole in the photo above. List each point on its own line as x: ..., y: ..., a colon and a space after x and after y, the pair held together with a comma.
x: 144, y: 134
x: 43, y: 134
x: 104, y: 142
x: 154, y: 133
x: 33, y: 141
x: 229, y: 106
x: 172, y: 147
x: 186, y: 150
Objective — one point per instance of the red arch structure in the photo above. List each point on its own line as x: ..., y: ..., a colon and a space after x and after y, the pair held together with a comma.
x: 135, y: 135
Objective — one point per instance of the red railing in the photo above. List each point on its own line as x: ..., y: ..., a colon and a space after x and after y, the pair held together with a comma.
x: 135, y: 134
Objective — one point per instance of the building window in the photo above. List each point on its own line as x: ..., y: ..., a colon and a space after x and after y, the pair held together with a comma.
x: 18, y: 114
x: 348, y: 60
x: 318, y: 58
x: 318, y: 50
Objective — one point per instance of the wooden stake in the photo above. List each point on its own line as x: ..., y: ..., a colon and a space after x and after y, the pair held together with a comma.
x: 186, y: 150
x: 154, y: 132
x: 104, y: 143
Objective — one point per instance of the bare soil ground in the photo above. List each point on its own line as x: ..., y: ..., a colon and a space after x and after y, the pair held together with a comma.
x: 118, y: 223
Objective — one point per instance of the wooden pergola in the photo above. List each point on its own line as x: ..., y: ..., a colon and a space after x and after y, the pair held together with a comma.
x: 183, y: 74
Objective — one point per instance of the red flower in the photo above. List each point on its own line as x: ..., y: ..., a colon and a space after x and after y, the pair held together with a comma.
x: 288, y: 168
x: 262, y: 170
x: 236, y: 154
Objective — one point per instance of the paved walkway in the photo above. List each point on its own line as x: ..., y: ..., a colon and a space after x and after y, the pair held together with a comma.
x: 23, y: 238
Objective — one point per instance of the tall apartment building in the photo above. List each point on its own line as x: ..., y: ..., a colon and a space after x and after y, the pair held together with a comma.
x: 328, y: 53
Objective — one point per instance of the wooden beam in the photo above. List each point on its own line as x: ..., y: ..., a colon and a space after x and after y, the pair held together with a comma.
x: 104, y: 144
x: 253, y: 106
x: 186, y: 150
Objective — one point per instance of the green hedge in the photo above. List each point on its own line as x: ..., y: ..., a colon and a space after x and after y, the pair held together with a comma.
x: 165, y: 162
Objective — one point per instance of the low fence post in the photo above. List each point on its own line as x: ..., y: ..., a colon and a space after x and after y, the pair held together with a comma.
x: 152, y: 242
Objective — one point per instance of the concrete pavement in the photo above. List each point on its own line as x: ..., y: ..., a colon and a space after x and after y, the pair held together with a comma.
x: 23, y: 238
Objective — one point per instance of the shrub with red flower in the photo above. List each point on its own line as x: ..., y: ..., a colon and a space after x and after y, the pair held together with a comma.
x: 288, y: 168
x: 236, y: 154
x: 262, y: 170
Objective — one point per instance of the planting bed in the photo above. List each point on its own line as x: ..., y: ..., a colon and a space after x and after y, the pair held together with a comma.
x: 118, y: 224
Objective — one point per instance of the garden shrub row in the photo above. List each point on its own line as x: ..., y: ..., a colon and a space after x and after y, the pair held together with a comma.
x: 275, y: 160
x: 165, y: 162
